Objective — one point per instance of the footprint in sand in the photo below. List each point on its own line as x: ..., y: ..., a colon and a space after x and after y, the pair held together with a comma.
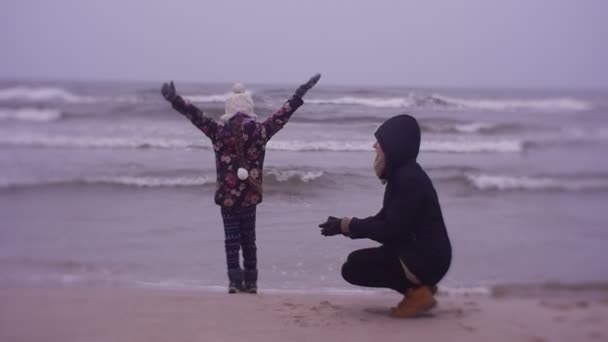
x: 300, y: 314
x: 328, y: 304
x: 450, y: 312
x: 466, y: 327
x: 564, y: 306
x: 290, y: 305
x: 378, y: 311
x: 287, y: 306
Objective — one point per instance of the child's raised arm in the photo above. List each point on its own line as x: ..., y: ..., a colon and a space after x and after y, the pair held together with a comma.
x: 206, y: 124
x: 278, y: 120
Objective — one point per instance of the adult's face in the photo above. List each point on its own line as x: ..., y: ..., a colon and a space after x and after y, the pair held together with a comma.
x: 378, y: 149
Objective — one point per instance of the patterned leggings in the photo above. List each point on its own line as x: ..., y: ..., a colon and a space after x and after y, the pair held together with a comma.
x: 239, y: 229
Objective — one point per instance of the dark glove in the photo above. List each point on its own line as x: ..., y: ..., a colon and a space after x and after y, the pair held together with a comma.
x: 168, y: 91
x: 304, y: 88
x: 331, y: 227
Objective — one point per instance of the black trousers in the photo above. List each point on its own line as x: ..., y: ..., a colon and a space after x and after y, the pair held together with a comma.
x: 239, y: 230
x: 376, y: 267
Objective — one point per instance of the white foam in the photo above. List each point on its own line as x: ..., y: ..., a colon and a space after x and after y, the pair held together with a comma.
x: 334, y: 146
x: 458, y: 146
x: 543, y: 105
x: 390, y: 102
x: 132, y: 99
x: 474, y: 127
x: 447, y: 146
x: 467, y: 128
x: 505, y: 182
x: 207, y: 98
x: 91, y: 141
x: 135, y: 181
x: 304, y: 176
x: 154, y: 182
x: 41, y: 94
x: 30, y: 114
x: 281, y: 176
x: 211, y: 98
x: 490, y: 182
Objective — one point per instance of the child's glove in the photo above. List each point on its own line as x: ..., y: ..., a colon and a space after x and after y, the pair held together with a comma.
x: 331, y: 227
x: 304, y: 88
x: 168, y: 91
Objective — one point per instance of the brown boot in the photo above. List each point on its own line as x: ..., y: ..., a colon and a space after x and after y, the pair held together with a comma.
x: 415, y: 302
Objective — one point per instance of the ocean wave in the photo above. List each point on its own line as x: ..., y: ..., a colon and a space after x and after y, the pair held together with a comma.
x: 30, y: 114
x: 134, y: 181
x: 446, y: 146
x: 279, y: 180
x: 54, y: 94
x: 474, y: 127
x: 446, y: 102
x: 434, y: 125
x: 124, y: 99
x: 298, y: 175
x: 207, y: 98
x: 211, y: 98
x: 320, y: 146
x: 438, y: 126
x: 511, y: 183
x: 542, y: 105
x: 272, y: 177
x: 339, y: 119
x: 153, y: 182
x: 391, y: 102
x: 442, y: 146
x: 438, y: 146
x: 43, y: 94
x: 48, y: 141
x: 463, y: 146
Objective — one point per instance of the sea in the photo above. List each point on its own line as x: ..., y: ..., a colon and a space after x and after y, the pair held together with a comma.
x: 103, y: 184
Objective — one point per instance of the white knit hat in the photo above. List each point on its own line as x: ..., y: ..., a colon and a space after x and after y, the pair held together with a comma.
x: 238, y: 102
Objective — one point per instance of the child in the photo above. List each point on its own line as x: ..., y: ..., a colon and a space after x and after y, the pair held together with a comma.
x: 239, y: 142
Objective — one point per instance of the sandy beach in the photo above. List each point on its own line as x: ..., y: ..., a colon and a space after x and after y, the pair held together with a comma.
x: 158, y: 315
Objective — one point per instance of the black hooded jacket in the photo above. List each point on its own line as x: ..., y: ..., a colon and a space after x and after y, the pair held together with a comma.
x: 410, y: 221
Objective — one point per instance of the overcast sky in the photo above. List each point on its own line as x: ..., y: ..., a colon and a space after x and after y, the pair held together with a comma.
x: 470, y: 43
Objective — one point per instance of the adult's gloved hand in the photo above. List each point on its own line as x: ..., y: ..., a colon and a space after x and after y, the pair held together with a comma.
x: 304, y: 88
x: 168, y: 91
x: 331, y: 227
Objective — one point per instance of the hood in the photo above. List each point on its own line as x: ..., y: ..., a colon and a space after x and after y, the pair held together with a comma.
x: 399, y: 138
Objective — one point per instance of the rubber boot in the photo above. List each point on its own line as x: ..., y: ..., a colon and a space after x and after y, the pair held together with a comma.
x: 251, y: 281
x: 235, y: 278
